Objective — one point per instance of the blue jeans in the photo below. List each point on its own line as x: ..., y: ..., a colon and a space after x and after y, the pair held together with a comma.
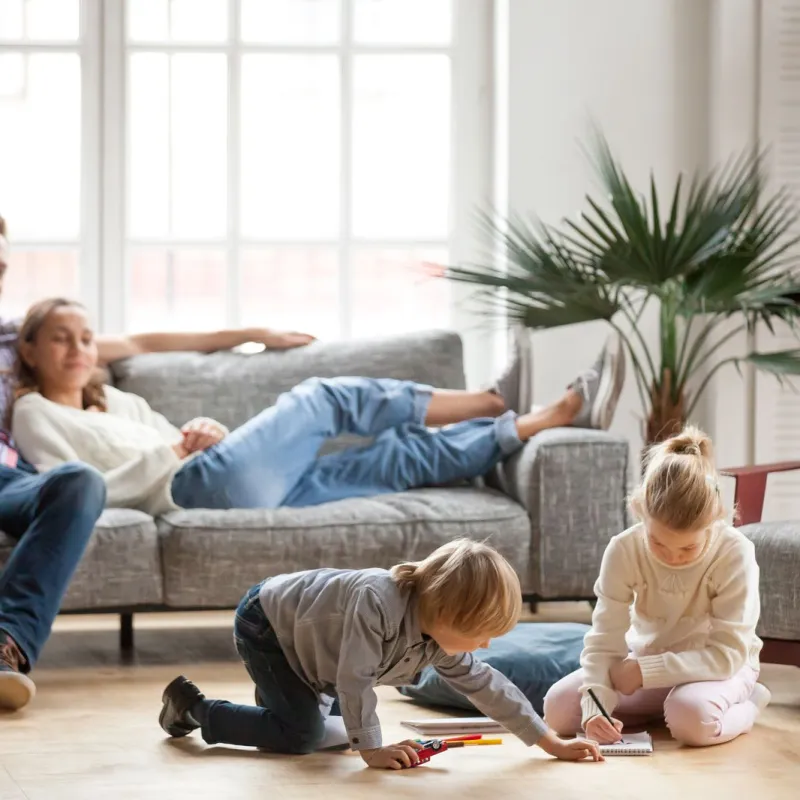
x: 289, y: 718
x: 52, y: 516
x: 271, y: 460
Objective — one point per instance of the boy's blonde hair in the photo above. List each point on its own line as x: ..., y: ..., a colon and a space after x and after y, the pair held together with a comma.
x: 680, y: 487
x: 466, y: 586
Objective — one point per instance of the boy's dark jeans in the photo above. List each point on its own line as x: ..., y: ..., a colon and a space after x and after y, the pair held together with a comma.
x: 290, y: 720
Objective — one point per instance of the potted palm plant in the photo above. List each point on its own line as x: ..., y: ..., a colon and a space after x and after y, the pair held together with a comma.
x: 716, y: 263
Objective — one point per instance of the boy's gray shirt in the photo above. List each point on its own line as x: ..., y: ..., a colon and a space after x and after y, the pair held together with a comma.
x: 346, y: 631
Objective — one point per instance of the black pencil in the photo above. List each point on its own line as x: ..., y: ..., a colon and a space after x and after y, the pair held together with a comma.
x: 602, y: 710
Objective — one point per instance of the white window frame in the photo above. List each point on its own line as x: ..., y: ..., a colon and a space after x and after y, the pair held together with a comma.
x: 470, y: 51
x: 88, y: 240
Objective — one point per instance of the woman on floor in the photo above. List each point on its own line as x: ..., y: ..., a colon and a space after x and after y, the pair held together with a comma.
x: 62, y: 415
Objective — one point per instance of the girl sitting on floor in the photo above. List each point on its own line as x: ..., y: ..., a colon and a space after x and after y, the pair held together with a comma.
x: 674, y: 630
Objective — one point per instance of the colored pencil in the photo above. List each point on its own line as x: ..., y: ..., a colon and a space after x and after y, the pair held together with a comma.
x: 451, y: 745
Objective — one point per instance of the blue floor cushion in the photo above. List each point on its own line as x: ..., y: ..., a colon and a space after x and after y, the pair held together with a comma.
x: 534, y: 655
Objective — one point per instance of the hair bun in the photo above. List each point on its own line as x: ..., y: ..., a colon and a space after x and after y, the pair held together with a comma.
x: 691, y: 441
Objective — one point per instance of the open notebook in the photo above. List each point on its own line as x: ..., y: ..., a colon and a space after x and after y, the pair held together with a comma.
x: 453, y: 726
x: 632, y: 744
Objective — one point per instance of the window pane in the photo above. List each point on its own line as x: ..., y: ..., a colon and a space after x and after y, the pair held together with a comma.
x: 403, y: 21
x: 178, y: 145
x: 290, y: 21
x: 177, y: 20
x: 290, y: 146
x: 177, y: 290
x: 12, y: 25
x: 199, y: 20
x: 36, y: 274
x: 40, y: 166
x: 393, y: 291
x: 291, y: 288
x: 53, y: 20
x: 401, y: 146
x: 12, y: 76
x: 148, y: 176
x: 148, y: 20
x: 199, y: 107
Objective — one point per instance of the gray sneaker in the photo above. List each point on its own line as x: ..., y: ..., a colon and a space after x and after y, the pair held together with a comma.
x: 600, y: 386
x: 515, y: 384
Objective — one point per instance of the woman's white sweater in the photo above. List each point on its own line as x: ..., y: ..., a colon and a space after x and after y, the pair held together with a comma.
x: 130, y: 444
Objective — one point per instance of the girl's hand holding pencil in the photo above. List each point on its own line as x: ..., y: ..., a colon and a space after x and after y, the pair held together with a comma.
x: 602, y: 731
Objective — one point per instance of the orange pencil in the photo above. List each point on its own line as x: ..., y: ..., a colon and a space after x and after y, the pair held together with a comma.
x: 451, y: 745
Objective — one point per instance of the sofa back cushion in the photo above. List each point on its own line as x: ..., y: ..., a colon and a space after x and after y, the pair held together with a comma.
x: 233, y: 387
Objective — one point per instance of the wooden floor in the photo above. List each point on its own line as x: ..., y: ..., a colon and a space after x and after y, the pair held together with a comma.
x: 92, y: 733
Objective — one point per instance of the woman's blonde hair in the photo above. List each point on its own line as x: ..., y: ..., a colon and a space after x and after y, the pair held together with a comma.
x: 466, y: 586
x: 680, y: 487
x: 25, y: 378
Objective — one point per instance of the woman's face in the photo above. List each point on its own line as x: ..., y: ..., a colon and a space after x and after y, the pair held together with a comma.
x: 64, y: 353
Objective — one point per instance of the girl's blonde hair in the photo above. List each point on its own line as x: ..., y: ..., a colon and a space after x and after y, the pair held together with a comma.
x: 26, y: 379
x: 466, y: 586
x: 680, y: 487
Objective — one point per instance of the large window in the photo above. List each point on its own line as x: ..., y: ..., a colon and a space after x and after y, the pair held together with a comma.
x: 45, y: 60
x: 285, y: 162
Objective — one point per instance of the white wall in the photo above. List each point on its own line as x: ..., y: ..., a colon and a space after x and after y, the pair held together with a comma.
x: 645, y: 72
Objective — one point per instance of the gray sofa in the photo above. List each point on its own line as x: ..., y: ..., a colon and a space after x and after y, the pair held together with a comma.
x: 550, y: 510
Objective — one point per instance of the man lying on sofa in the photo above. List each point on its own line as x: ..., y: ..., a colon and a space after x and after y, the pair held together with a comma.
x: 52, y: 516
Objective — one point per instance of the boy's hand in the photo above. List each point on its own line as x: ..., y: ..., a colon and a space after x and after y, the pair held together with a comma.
x: 626, y: 676
x: 570, y: 749
x: 393, y: 756
x: 600, y: 730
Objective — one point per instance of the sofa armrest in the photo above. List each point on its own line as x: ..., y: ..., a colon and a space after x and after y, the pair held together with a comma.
x: 751, y: 487
x: 573, y: 483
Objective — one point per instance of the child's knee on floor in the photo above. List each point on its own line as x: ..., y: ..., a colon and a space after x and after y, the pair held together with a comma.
x: 303, y: 739
x: 562, y: 709
x: 692, y: 720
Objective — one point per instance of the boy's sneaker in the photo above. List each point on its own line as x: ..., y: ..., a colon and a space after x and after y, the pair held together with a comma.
x: 179, y: 698
x: 16, y: 688
x: 600, y: 386
x: 515, y: 384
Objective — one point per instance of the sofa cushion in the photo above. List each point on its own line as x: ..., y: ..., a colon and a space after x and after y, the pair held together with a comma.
x: 211, y: 558
x: 232, y: 387
x: 120, y: 567
x: 777, y: 547
x: 533, y: 657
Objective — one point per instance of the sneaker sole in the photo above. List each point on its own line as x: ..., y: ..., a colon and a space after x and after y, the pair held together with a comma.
x: 610, y: 387
x: 16, y: 690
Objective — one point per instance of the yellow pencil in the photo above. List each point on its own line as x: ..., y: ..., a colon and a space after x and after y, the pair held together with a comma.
x: 450, y: 745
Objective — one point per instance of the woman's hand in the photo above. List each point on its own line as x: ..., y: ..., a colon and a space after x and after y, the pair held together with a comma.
x: 282, y: 340
x: 570, y: 749
x: 599, y: 729
x: 393, y: 756
x: 626, y: 676
x: 200, y: 434
x: 179, y: 450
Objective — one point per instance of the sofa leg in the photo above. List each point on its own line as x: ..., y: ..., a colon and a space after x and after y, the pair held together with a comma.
x: 126, y: 632
x: 533, y: 606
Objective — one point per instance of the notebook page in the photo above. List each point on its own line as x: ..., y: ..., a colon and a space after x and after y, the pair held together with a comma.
x: 632, y: 744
